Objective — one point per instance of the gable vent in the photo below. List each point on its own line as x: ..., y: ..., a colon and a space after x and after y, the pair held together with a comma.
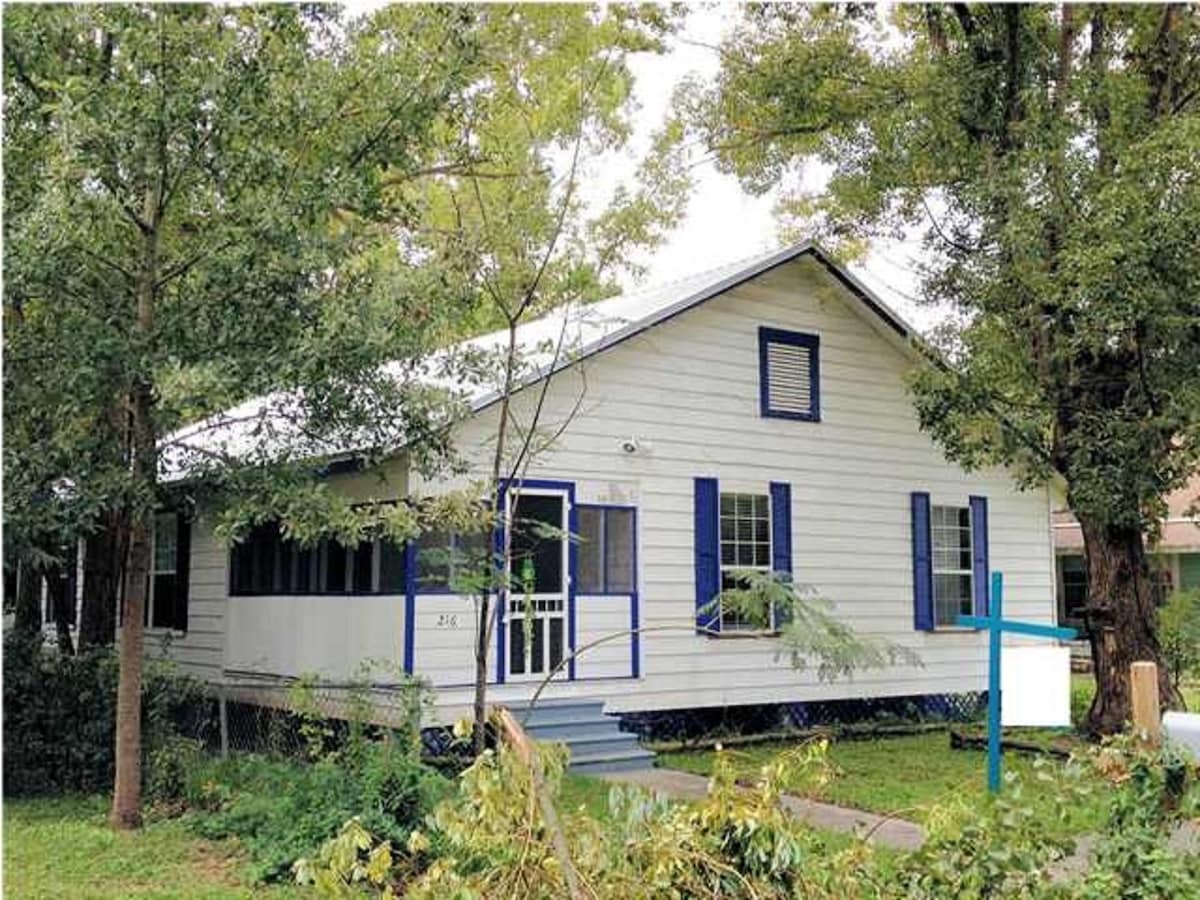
x: 789, y: 367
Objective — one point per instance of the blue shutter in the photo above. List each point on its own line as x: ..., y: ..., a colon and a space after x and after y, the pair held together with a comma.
x: 979, y: 554
x: 708, y: 551
x: 922, y: 564
x: 781, y: 535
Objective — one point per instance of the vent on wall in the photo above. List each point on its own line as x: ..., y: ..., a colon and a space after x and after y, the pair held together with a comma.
x: 789, y: 374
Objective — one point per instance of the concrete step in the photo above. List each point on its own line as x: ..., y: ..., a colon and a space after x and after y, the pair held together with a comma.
x: 594, y: 740
x: 559, y: 714
x: 615, y: 742
x: 601, y: 763
x: 565, y: 731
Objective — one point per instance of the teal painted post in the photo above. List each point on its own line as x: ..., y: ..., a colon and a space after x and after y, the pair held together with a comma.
x: 996, y: 626
x: 994, y: 635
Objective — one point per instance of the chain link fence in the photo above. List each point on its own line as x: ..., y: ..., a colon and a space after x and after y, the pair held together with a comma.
x: 306, y: 718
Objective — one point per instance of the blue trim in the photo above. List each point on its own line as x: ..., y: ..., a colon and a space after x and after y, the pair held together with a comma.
x: 781, y: 535
x: 922, y: 563
x: 499, y: 598
x: 706, y: 537
x: 544, y: 484
x: 812, y: 342
x: 979, y: 555
x: 410, y: 605
x: 572, y: 566
x: 635, y: 649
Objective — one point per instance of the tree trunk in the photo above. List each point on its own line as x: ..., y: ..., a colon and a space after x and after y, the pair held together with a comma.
x: 27, y: 616
x: 127, y: 789
x: 143, y: 457
x: 103, y: 554
x: 1121, y: 622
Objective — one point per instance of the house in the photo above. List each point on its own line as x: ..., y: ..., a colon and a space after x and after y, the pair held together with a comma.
x: 752, y: 416
x: 1174, y: 556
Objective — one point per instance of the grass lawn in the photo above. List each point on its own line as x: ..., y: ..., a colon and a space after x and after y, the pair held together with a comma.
x: 587, y: 792
x: 906, y: 775
x: 62, y: 847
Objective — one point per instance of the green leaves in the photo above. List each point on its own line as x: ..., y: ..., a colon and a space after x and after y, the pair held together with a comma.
x: 809, y: 630
x: 1057, y: 187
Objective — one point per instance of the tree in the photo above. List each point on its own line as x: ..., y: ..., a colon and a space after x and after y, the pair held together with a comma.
x: 506, y: 214
x: 191, y: 206
x: 1050, y: 154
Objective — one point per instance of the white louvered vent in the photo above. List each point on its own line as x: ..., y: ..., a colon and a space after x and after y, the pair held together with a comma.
x: 789, y: 381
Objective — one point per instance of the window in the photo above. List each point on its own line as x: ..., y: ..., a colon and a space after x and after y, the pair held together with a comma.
x: 1162, y: 581
x: 952, y: 579
x: 605, y: 551
x: 166, y: 606
x: 745, y: 544
x: 789, y: 375
x: 267, y: 563
x: 1074, y: 588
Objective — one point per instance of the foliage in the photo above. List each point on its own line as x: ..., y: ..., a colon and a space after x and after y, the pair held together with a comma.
x: 933, y: 781
x: 282, y: 810
x: 808, y: 629
x: 1179, y: 634
x: 1048, y: 153
x: 59, y: 714
x: 1003, y: 850
x: 1152, y: 790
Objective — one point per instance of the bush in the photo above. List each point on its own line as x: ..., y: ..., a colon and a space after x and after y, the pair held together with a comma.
x: 60, y: 715
x: 1179, y: 634
x: 281, y: 810
x: 491, y: 841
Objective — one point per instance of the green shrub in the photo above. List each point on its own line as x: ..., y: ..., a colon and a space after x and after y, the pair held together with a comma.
x: 60, y: 714
x: 281, y: 810
x: 1179, y: 634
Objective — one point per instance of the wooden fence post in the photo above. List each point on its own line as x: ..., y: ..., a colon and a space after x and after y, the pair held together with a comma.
x: 1143, y: 691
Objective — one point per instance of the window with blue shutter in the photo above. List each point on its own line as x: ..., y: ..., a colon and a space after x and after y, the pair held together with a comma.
x: 708, y: 552
x: 922, y: 563
x: 789, y: 375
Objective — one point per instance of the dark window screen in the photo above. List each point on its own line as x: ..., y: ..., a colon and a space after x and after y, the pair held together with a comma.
x: 364, y: 566
x: 335, y: 567
x: 391, y: 567
x: 537, y: 543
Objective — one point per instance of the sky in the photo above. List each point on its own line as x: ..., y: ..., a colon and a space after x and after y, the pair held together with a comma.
x: 724, y: 223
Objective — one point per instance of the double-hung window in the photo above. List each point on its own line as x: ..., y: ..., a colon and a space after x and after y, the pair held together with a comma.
x: 166, y: 605
x: 745, y: 521
x: 953, y: 589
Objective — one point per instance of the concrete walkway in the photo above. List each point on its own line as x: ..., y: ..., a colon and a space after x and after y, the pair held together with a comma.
x: 896, y: 833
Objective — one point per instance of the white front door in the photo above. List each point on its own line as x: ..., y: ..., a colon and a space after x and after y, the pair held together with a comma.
x: 539, y: 580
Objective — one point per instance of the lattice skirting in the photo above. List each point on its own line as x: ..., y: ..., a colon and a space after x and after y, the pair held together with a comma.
x: 711, y: 721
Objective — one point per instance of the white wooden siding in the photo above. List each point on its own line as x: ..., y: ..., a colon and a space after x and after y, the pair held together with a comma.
x: 332, y: 636
x: 688, y: 391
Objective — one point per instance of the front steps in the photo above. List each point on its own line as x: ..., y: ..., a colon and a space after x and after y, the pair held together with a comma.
x: 595, y: 741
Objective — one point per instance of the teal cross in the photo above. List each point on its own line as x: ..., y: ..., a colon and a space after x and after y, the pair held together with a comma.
x: 996, y: 626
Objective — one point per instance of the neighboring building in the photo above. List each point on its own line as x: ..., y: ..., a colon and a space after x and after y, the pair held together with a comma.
x: 750, y: 416
x: 1174, y: 558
